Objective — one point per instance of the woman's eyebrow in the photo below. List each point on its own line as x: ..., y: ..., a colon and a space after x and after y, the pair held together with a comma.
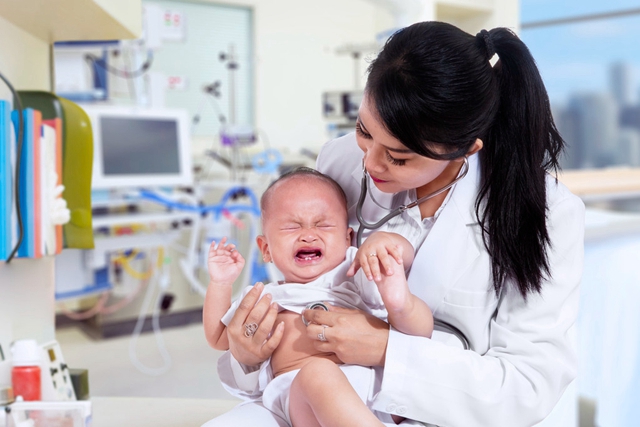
x: 395, y: 150
x: 399, y: 150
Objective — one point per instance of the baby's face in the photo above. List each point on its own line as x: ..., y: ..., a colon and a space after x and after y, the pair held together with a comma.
x: 305, y: 229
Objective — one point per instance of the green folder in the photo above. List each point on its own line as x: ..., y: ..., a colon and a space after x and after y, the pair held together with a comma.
x: 77, y: 168
x: 77, y: 161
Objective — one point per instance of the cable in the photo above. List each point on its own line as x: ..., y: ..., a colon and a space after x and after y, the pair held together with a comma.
x: 83, y: 315
x: 100, y: 307
x: 155, y: 321
x: 217, y: 209
x: 18, y: 104
x: 144, y: 275
x: 122, y: 73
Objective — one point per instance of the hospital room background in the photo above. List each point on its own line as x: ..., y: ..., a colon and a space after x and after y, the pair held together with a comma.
x: 230, y: 94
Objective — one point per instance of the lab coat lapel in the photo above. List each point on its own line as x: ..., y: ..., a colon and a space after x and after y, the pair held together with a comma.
x: 450, y: 247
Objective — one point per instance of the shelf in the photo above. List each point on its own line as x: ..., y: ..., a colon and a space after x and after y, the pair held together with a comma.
x: 136, y: 218
x: 594, y: 185
x: 54, y: 20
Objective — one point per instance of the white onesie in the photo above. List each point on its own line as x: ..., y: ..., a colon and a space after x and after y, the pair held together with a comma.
x: 335, y: 288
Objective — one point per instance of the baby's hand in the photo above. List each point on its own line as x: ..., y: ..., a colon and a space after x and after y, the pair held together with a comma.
x: 225, y: 263
x: 394, y: 289
x: 379, y: 253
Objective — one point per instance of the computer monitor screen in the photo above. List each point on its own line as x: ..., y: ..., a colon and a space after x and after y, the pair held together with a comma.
x: 139, y: 146
x: 136, y: 147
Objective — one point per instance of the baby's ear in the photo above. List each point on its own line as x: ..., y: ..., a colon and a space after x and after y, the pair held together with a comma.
x: 264, y: 248
x: 349, y: 236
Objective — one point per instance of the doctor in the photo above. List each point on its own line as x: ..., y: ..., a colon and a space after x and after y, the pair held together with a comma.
x: 499, y: 255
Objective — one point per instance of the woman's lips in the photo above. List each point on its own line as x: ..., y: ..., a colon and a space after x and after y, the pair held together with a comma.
x: 380, y: 181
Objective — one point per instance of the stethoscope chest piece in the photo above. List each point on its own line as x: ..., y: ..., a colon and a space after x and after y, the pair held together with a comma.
x: 313, y: 306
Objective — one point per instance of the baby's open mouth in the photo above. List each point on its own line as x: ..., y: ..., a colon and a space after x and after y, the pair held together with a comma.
x: 308, y: 254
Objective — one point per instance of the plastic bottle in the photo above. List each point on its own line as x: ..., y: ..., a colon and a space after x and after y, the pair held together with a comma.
x: 25, y: 375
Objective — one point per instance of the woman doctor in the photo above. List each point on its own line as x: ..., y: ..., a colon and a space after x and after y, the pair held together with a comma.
x: 499, y: 255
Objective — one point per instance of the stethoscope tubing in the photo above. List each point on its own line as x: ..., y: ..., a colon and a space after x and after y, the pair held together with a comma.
x: 364, y: 188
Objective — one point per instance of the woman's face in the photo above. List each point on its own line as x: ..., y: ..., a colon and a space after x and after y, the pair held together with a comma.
x: 392, y: 166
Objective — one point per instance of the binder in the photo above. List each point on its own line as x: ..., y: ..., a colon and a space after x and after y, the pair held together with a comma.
x: 76, y: 175
x: 26, y: 197
x: 49, y: 183
x: 56, y: 124
x: 36, y: 146
x: 6, y: 180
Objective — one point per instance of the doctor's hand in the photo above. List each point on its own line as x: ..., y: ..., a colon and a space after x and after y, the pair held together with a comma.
x: 356, y: 337
x: 255, y: 348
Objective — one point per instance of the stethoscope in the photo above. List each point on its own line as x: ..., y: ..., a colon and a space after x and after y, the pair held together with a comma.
x: 364, y: 225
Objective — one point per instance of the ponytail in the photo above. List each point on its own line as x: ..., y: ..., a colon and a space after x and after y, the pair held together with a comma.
x: 435, y: 91
x: 520, y: 147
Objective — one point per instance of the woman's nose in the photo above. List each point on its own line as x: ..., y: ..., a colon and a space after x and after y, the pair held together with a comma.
x: 372, y: 159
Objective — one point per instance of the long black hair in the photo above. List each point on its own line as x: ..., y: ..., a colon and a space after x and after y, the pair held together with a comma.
x: 433, y: 87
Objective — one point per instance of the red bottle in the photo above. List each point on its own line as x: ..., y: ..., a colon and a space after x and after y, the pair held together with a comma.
x: 25, y: 375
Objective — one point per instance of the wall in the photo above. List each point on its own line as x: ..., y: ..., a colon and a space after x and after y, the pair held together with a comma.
x: 295, y: 61
x: 24, y: 59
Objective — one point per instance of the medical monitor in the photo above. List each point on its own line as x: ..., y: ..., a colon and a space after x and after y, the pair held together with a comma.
x: 139, y: 147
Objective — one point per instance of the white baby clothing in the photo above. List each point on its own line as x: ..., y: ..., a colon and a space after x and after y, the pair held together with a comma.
x: 337, y: 289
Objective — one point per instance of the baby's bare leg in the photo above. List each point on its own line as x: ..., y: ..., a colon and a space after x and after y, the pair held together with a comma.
x: 321, y: 395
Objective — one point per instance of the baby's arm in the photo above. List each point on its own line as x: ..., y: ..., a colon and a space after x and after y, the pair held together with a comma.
x: 407, y: 313
x: 377, y: 253
x: 225, y: 265
x: 391, y: 254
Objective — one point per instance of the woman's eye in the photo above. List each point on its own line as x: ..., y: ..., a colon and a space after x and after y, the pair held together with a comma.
x: 361, y: 131
x: 394, y: 161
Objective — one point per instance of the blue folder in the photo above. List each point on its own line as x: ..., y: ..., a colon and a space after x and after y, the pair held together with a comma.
x: 26, y: 183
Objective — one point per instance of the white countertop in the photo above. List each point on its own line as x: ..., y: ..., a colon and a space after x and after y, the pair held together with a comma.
x: 156, y: 412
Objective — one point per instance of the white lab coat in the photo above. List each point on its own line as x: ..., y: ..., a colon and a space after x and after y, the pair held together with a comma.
x: 523, y: 357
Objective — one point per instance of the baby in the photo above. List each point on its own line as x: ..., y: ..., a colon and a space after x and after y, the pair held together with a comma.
x: 306, y: 236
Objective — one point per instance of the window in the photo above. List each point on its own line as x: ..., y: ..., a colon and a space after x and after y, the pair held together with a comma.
x: 589, y: 57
